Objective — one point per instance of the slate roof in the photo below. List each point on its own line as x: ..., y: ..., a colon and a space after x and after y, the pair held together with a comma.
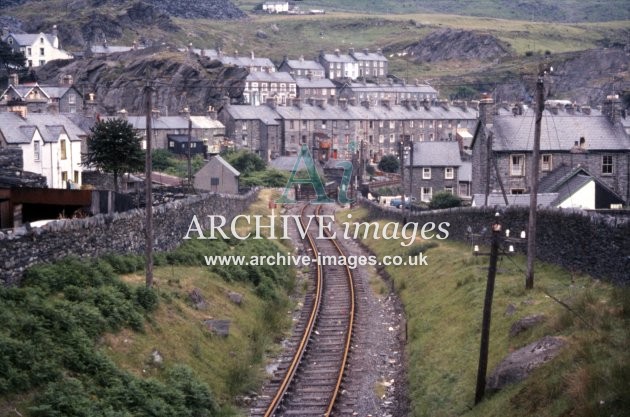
x: 172, y: 122
x: 305, y: 64
x: 28, y: 39
x: 226, y: 164
x: 393, y: 88
x: 111, y: 49
x: 314, y: 83
x: 17, y: 130
x: 50, y: 91
x: 369, y: 56
x: 376, y: 112
x: 558, y: 132
x: 496, y: 199
x: 246, y: 112
x: 566, y: 181
x: 427, y: 154
x: 277, y: 77
x: 338, y: 58
x: 246, y: 62
x: 283, y: 163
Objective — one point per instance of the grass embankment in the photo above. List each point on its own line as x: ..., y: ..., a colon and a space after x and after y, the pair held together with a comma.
x: 443, y: 303
x: 81, y: 338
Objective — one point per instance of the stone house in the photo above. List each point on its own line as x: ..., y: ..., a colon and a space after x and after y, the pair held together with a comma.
x: 251, y: 63
x: 38, y: 48
x: 275, y: 6
x: 338, y: 65
x: 302, y: 68
x: 435, y: 168
x: 43, y: 98
x: 336, y: 128
x: 571, y: 136
x: 50, y: 144
x: 315, y: 88
x: 397, y: 93
x: 217, y: 176
x: 263, y: 86
x: 371, y: 64
x: 254, y: 128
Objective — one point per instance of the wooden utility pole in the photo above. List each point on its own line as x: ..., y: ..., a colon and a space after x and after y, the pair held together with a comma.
x: 189, y: 155
x: 487, y: 314
x: 148, y: 250
x: 533, y: 189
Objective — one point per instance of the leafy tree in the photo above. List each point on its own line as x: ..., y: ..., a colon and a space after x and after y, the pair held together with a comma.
x: 388, y: 163
x: 114, y: 147
x: 444, y: 200
x: 244, y: 161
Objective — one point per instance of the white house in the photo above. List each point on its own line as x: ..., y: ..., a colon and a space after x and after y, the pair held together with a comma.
x: 38, y: 48
x: 276, y: 7
x: 50, y: 143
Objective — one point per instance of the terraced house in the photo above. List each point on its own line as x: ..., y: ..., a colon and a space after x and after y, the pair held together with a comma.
x: 333, y: 129
x: 572, y: 137
x: 61, y: 98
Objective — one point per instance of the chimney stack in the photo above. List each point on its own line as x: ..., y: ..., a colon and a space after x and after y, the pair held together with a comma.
x: 486, y: 109
x: 612, y: 108
x: 14, y: 80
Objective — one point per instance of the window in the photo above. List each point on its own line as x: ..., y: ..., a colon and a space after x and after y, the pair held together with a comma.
x: 607, y: 164
x: 392, y: 138
x: 292, y: 138
x: 291, y: 124
x: 214, y: 181
x: 244, y: 126
x: 41, y: 51
x: 426, y: 173
x: 64, y: 176
x: 381, y: 123
x: 449, y: 173
x: 464, y: 189
x: 323, y: 124
x: 36, y: 150
x: 304, y: 123
x: 72, y: 99
x: 29, y: 51
x: 426, y: 194
x: 381, y: 138
x: 76, y: 177
x: 448, y: 189
x: 421, y: 137
x: 392, y: 124
x: 62, y: 148
x: 545, y: 162
x: 517, y: 165
x: 411, y: 123
x: 42, y: 62
x: 517, y: 191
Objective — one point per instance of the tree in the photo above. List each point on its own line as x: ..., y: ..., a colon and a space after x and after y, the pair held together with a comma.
x: 389, y: 163
x: 444, y: 200
x: 245, y: 162
x: 114, y: 147
x: 11, y: 61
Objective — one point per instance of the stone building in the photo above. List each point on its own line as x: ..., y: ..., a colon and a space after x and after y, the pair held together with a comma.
x: 43, y: 98
x: 302, y: 68
x: 217, y: 176
x: 263, y: 86
x: 397, y: 93
x: 38, y: 48
x: 338, y: 65
x: 371, y: 64
x: 571, y: 136
x: 253, y: 128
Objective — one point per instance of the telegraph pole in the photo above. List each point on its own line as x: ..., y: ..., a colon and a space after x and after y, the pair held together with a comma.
x: 533, y: 190
x: 189, y: 155
x: 148, y: 91
x: 487, y: 314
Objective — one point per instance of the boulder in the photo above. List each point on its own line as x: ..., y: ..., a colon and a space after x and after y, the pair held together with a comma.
x: 235, y: 297
x: 218, y: 327
x: 517, y: 365
x: 526, y: 323
x: 197, y: 299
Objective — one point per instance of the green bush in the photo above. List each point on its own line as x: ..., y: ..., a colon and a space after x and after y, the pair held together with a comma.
x: 444, y: 200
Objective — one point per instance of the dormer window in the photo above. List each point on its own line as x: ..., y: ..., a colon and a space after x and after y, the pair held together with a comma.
x: 41, y: 40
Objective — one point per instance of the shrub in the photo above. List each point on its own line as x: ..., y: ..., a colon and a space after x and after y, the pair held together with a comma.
x: 389, y: 163
x: 444, y: 200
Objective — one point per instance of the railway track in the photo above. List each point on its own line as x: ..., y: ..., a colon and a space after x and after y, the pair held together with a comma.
x: 309, y: 377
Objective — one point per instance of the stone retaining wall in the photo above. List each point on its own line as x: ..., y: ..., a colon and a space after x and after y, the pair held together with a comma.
x: 596, y: 244
x: 111, y: 233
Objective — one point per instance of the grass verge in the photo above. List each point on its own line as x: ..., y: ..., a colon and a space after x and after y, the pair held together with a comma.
x: 443, y: 303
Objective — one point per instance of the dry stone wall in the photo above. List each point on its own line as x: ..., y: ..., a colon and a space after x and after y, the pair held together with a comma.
x: 593, y: 243
x: 121, y: 233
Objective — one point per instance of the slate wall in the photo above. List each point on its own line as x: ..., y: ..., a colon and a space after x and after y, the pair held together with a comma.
x: 592, y: 243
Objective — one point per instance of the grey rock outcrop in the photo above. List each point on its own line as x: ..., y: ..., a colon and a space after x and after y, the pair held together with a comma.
x: 526, y: 323
x: 517, y: 365
x: 449, y: 44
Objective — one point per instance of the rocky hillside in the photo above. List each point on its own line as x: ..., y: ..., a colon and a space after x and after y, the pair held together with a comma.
x: 453, y: 44
x: 180, y: 80
x: 199, y: 9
